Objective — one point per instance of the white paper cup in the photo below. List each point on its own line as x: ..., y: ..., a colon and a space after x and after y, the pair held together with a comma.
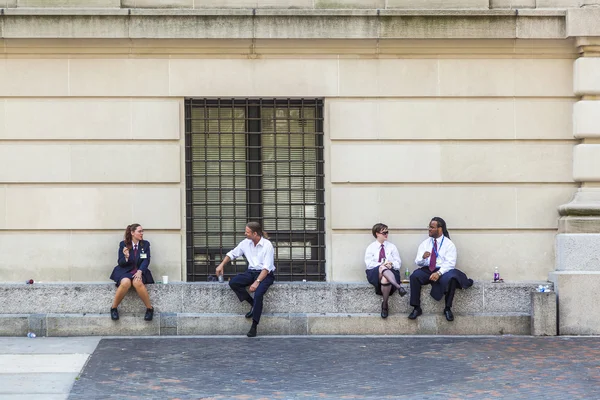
x: 165, y: 279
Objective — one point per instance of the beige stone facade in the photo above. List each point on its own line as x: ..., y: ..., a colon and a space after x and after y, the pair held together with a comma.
x: 468, y: 114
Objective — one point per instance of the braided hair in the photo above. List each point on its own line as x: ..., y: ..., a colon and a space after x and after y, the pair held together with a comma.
x: 441, y: 223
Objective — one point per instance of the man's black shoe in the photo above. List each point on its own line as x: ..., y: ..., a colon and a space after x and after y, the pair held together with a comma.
x: 384, y: 310
x: 402, y: 292
x: 114, y: 314
x: 149, y: 314
x: 251, y: 332
x: 415, y: 313
x: 449, y: 315
x: 250, y: 313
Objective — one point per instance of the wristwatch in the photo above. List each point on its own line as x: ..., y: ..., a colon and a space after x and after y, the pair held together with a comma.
x: 258, y: 280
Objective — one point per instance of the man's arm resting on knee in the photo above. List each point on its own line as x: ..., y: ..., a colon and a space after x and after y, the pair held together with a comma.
x: 263, y: 274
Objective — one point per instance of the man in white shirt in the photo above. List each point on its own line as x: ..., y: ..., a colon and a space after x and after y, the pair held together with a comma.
x: 436, y: 258
x: 259, y: 254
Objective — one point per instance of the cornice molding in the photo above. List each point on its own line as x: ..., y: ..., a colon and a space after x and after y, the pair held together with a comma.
x: 281, y: 24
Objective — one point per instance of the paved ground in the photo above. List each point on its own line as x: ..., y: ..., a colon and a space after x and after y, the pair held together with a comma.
x: 41, y: 368
x: 342, y: 368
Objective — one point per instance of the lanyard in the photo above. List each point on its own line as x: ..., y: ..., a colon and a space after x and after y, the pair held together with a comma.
x: 436, y: 251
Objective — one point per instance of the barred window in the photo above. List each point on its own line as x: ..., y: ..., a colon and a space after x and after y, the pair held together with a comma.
x: 255, y: 160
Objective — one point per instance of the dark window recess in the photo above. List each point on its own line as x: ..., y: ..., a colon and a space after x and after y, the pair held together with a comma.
x: 255, y: 160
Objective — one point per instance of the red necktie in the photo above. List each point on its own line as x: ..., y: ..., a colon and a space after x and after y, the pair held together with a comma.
x: 433, y: 256
x: 381, y: 253
x: 135, y: 251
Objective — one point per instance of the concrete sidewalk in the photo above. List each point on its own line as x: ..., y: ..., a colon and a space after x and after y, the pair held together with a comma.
x: 42, y: 368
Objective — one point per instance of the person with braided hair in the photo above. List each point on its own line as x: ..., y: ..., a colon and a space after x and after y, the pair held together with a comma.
x: 436, y: 258
x: 133, y: 269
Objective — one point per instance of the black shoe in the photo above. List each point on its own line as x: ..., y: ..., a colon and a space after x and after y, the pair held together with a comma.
x: 448, y: 314
x: 402, y: 292
x: 384, y: 311
x: 149, y: 314
x: 415, y: 313
x: 250, y: 313
x: 251, y: 332
x: 114, y: 314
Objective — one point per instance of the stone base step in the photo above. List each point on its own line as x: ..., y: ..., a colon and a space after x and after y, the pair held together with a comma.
x: 271, y: 324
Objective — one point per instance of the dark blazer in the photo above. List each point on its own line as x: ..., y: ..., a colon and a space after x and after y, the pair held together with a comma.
x: 441, y: 287
x: 140, y: 262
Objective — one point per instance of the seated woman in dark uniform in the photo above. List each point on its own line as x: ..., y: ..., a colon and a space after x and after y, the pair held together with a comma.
x: 383, y: 266
x: 134, y: 260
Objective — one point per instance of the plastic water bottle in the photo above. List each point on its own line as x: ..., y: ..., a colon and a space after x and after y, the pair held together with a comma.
x: 541, y: 288
x: 407, y: 274
x: 496, y: 275
x: 31, y: 335
x: 221, y: 278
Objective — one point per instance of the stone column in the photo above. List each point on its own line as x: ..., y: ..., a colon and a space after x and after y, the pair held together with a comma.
x: 577, y: 274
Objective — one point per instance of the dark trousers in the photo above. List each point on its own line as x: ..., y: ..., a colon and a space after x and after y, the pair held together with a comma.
x: 420, y: 277
x: 239, y: 282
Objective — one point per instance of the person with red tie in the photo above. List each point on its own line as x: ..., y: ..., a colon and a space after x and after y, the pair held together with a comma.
x: 383, y: 266
x: 133, y: 270
x: 436, y: 258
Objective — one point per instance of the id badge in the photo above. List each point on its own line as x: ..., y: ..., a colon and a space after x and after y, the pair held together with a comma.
x: 143, y: 255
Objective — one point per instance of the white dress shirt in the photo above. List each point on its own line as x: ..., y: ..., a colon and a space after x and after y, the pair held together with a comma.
x: 446, y: 255
x: 259, y: 257
x: 391, y: 254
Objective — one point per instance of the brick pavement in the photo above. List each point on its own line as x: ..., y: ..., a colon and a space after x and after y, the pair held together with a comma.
x: 506, y: 367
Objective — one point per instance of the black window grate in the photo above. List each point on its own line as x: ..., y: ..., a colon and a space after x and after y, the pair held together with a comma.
x: 255, y: 160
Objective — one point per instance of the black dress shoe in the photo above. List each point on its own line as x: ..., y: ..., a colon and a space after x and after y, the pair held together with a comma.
x: 149, y: 314
x: 449, y: 315
x: 251, y: 332
x: 250, y: 313
x: 114, y: 314
x: 402, y: 292
x: 384, y: 311
x: 415, y: 313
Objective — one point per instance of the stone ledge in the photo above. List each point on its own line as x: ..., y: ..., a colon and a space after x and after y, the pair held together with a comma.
x: 543, y: 314
x: 427, y: 324
x: 316, y: 4
x: 216, y: 298
x: 286, y: 12
x: 583, y: 22
x: 14, y: 325
x: 281, y: 24
x: 101, y: 325
x: 273, y: 324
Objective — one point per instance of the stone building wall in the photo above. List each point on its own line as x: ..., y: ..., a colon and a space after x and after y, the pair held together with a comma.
x: 477, y: 129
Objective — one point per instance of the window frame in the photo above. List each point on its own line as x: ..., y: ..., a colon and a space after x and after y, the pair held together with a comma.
x: 311, y: 268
